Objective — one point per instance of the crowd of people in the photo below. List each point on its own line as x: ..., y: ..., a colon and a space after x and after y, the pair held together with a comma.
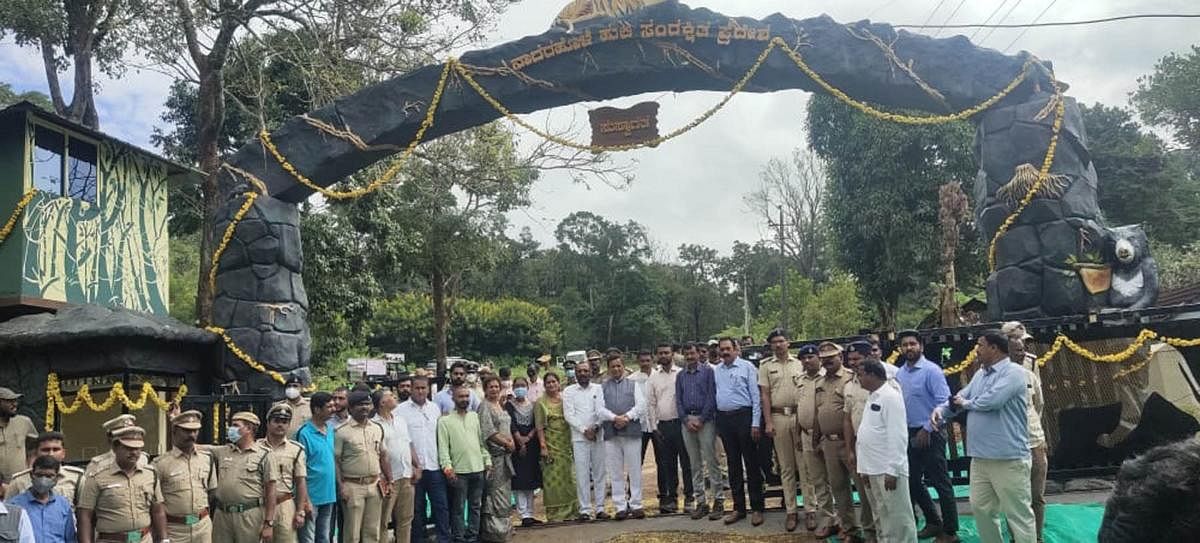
x: 350, y: 463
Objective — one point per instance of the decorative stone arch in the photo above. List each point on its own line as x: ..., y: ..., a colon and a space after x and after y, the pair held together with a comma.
x: 260, y: 298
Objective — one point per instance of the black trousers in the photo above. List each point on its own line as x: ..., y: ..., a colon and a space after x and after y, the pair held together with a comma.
x: 669, y: 456
x: 742, y: 453
x: 647, y: 437
x: 928, y: 467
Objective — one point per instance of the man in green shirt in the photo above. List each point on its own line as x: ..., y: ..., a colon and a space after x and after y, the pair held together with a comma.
x: 465, y: 461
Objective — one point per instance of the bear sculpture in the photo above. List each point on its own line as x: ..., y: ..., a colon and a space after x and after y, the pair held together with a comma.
x: 1134, y: 271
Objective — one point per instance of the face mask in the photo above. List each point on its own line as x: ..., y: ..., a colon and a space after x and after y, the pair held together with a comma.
x: 42, y: 485
x: 233, y: 434
x: 570, y: 374
x: 463, y: 404
x: 291, y: 392
x: 520, y: 392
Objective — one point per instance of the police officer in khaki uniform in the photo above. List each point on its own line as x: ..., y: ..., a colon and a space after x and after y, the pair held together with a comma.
x: 245, y: 495
x: 14, y: 429
x: 818, y: 504
x: 110, y: 426
x: 123, y: 497
x: 779, y: 381
x: 69, y: 477
x: 187, y: 474
x: 291, y: 491
x: 360, y: 456
x: 831, y: 412
x: 301, y: 410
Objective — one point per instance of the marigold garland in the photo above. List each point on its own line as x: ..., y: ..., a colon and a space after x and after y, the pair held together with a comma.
x: 16, y: 214
x: 83, y: 397
x: 1043, y: 174
x: 387, y: 175
x: 220, y: 250
x: 249, y: 360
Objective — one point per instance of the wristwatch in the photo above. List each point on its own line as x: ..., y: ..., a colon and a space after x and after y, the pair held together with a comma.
x: 269, y: 523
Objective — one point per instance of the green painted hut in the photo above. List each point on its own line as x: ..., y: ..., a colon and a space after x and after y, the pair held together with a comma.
x: 84, y: 276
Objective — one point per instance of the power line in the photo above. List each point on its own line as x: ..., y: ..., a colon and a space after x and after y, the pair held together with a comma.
x: 988, y: 20
x: 952, y: 14
x: 1026, y: 29
x: 1000, y: 21
x: 1062, y: 23
x: 883, y: 6
x: 931, y: 14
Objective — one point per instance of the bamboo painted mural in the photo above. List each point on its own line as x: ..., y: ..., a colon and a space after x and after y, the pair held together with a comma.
x: 114, y: 252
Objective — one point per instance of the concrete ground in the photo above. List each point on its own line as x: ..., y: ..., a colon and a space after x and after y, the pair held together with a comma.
x: 707, y: 531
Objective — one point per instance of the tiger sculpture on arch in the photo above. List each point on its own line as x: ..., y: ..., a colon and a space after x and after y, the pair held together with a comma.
x: 579, y: 11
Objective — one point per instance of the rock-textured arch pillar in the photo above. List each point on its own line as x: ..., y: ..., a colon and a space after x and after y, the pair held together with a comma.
x: 665, y: 47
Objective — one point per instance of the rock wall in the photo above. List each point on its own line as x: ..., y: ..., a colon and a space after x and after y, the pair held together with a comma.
x: 260, y: 298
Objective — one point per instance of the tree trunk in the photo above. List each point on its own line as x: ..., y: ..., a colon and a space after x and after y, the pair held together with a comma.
x: 210, y: 120
x: 745, y: 308
x: 952, y: 210
x: 887, y: 314
x: 441, y: 320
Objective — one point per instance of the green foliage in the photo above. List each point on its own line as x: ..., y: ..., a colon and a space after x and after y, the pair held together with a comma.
x: 185, y: 271
x: 882, y: 198
x: 833, y: 308
x: 1170, y: 97
x: 1178, y: 266
x: 9, y: 97
x: 479, y: 328
x: 1140, y: 180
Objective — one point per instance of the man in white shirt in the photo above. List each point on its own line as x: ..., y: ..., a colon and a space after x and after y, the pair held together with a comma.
x: 882, y: 456
x: 662, y: 417
x: 420, y: 416
x: 401, y: 456
x: 580, y: 403
x: 645, y: 362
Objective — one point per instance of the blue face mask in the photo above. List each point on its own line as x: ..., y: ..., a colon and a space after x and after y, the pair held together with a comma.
x: 233, y: 434
x: 520, y: 392
x: 570, y: 374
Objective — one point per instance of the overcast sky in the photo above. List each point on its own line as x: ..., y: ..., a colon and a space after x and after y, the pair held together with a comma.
x: 680, y: 184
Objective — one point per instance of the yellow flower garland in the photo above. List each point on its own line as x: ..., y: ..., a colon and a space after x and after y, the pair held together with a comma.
x: 387, y: 175
x: 220, y: 250
x: 12, y: 219
x: 1043, y: 173
x: 83, y: 397
x: 249, y: 360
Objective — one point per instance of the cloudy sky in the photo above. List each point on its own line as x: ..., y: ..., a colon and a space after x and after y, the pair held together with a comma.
x: 681, y: 184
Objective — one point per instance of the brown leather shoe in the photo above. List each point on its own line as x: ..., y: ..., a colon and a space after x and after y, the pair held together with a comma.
x: 734, y: 516
x: 700, y: 512
x: 718, y: 511
x: 638, y: 514
x: 793, y: 520
x: 756, y: 518
x: 810, y: 522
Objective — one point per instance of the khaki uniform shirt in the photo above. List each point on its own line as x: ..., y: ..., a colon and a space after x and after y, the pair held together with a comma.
x: 806, y: 400
x: 186, y: 480
x: 357, y: 448
x: 301, y: 413
x: 67, y: 484
x: 242, y: 475
x: 289, y: 463
x: 782, y: 379
x: 831, y: 402
x: 102, y: 461
x: 856, y: 401
x: 120, y: 501
x: 12, y: 444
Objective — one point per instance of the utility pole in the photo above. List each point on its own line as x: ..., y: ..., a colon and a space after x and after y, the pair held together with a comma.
x: 781, y: 230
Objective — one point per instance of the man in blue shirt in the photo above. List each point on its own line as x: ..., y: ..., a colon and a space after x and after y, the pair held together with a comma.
x: 999, y: 444
x: 924, y: 387
x: 49, y: 514
x: 738, y: 416
x: 316, y: 436
x: 445, y: 397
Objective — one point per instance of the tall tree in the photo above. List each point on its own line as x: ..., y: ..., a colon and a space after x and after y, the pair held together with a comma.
x: 1141, y: 181
x: 1168, y: 97
x: 77, y: 34
x: 195, y: 40
x: 883, y: 195
x: 797, y: 187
